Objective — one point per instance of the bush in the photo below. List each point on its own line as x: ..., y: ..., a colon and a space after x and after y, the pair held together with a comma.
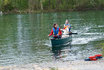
x: 7, y: 7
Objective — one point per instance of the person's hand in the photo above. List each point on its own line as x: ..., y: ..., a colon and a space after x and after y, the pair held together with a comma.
x: 57, y: 35
x: 48, y: 35
x: 53, y: 35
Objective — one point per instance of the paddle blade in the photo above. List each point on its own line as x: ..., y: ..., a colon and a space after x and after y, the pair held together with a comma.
x: 72, y: 33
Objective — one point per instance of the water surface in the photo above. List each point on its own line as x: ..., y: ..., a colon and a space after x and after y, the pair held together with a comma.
x: 24, y: 37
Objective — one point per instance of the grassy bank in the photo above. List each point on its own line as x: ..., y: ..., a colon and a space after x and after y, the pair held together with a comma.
x: 102, y: 46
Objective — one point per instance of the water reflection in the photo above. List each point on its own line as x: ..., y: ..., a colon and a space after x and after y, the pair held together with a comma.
x: 1, y: 13
x: 61, y: 51
x: 19, y: 32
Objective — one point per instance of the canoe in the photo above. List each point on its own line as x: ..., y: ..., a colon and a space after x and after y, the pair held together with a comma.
x: 64, y: 40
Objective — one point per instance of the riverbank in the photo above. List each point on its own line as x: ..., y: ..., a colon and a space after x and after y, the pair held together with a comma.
x: 55, y: 5
x: 47, y: 11
x: 59, y: 65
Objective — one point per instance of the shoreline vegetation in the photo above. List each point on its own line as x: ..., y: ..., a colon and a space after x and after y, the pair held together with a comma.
x: 38, y: 6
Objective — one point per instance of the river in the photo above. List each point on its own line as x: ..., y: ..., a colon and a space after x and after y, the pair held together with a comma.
x: 24, y: 37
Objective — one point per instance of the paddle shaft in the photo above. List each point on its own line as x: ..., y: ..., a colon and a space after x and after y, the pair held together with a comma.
x: 72, y: 33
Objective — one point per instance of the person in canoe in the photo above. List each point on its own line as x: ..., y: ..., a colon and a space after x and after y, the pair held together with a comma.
x: 56, y: 32
x: 67, y: 26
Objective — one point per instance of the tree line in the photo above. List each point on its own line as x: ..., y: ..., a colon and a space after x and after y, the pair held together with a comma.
x: 50, y: 5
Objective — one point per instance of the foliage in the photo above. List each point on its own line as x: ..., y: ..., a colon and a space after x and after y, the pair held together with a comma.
x: 56, y: 5
x: 7, y: 6
x: 73, y: 4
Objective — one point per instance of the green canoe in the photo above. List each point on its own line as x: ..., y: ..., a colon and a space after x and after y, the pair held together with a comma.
x: 64, y: 40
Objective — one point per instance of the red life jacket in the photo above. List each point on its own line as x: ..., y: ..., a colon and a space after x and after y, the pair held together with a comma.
x: 92, y: 58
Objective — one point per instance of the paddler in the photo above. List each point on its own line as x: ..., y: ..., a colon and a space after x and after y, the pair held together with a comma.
x: 67, y: 25
x: 56, y: 32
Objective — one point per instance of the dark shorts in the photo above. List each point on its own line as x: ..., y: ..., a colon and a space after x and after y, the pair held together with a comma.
x: 69, y: 29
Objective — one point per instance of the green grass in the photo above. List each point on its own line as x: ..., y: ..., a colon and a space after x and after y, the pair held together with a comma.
x: 102, y: 46
x: 53, y: 68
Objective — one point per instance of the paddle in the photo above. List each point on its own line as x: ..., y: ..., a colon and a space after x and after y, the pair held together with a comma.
x: 72, y: 33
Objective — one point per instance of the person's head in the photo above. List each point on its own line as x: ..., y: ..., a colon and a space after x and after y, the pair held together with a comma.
x: 66, y: 22
x: 55, y: 25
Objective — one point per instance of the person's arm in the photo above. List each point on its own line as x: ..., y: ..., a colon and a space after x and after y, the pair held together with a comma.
x: 70, y: 25
x: 60, y: 32
x: 64, y: 26
x: 51, y: 33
